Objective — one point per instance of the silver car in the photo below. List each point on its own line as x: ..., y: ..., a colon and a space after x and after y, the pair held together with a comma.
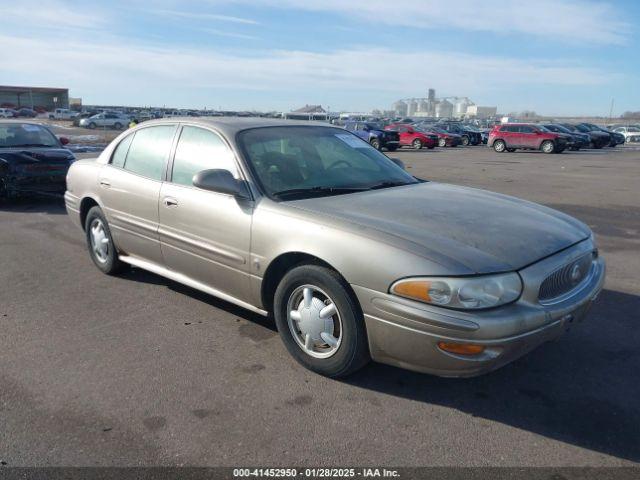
x: 355, y: 258
x: 105, y: 120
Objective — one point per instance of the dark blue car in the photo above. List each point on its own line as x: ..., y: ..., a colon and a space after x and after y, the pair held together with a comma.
x: 32, y: 160
x: 375, y: 134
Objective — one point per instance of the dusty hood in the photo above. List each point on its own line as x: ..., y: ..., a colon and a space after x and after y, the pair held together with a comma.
x: 467, y: 229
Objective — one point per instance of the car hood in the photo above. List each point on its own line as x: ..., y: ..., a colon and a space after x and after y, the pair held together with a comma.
x: 36, y: 155
x: 464, y: 229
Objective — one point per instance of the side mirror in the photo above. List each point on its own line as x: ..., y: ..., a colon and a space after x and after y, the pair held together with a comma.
x: 220, y: 181
x: 398, y: 162
x: 64, y: 140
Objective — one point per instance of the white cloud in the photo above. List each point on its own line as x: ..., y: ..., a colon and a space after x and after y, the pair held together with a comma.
x: 117, y: 72
x: 203, y: 16
x: 52, y: 14
x: 577, y: 21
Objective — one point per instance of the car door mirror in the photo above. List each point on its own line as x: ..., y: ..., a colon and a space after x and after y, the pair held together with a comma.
x: 221, y: 181
x: 64, y: 140
x: 398, y: 162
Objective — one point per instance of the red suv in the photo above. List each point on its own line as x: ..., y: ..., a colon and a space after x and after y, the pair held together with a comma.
x: 410, y: 137
x: 510, y: 136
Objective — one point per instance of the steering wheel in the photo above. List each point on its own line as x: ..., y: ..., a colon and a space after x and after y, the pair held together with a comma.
x: 338, y: 162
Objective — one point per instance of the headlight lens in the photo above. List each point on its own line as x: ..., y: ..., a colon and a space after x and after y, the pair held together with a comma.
x: 467, y: 293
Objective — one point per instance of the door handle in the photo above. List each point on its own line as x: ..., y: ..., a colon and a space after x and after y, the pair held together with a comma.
x: 170, y: 202
x: 105, y: 183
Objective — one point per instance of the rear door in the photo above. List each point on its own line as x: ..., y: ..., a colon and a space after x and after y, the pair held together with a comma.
x: 529, y: 136
x: 130, y: 189
x: 205, y: 235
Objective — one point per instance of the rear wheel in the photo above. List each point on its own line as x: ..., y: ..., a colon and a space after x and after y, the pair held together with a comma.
x: 465, y: 141
x: 499, y: 146
x: 100, y: 243
x: 320, y: 322
x: 117, y: 126
x: 92, y: 126
x: 417, y: 144
x: 442, y: 142
x: 547, y: 146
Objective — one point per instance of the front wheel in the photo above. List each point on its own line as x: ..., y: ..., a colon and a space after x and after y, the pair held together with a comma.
x: 320, y: 322
x: 547, y: 146
x: 442, y: 142
x: 465, y: 141
x: 118, y: 126
x: 92, y: 126
x: 375, y: 143
x: 100, y: 243
x: 417, y: 144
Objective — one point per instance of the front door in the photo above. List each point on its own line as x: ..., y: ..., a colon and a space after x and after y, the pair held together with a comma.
x: 130, y: 188
x: 205, y: 235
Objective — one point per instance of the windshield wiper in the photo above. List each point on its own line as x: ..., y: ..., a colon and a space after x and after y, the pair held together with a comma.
x: 319, y: 190
x: 22, y: 145
x: 388, y: 184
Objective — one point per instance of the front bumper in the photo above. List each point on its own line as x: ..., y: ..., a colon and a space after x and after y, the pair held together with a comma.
x: 406, y: 333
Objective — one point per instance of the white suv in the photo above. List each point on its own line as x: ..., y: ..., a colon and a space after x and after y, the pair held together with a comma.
x: 6, y: 113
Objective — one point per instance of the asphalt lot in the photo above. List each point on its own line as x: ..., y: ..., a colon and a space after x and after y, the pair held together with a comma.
x: 138, y: 370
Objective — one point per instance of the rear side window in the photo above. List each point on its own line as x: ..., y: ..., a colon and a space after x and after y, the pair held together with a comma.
x: 120, y: 153
x: 149, y: 151
x: 199, y: 149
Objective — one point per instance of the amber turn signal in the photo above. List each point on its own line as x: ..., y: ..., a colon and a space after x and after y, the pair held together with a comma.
x: 461, y: 348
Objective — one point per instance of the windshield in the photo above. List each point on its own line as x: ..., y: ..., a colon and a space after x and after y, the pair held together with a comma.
x: 300, y: 162
x: 582, y: 128
x: 26, y: 135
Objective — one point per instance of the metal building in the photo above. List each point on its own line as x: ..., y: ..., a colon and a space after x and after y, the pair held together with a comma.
x: 34, y: 97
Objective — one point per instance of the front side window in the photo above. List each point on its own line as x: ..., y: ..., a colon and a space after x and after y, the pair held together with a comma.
x: 149, y: 151
x: 299, y: 162
x: 199, y: 149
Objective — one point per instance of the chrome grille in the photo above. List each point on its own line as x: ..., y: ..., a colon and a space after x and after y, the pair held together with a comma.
x: 567, y: 278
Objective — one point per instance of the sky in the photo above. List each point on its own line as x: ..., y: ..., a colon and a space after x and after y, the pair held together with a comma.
x: 555, y: 57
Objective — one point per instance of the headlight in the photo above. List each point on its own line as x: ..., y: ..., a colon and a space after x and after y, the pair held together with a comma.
x: 467, y: 293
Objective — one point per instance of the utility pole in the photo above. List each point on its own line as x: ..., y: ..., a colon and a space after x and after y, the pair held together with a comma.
x: 611, y: 110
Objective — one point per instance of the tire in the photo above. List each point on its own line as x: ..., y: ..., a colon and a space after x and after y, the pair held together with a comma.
x: 346, y: 324
x: 499, y: 146
x: 375, y: 143
x: 465, y: 141
x: 417, y: 144
x: 442, y: 142
x: 92, y: 126
x: 108, y: 260
x: 117, y: 126
x: 547, y: 146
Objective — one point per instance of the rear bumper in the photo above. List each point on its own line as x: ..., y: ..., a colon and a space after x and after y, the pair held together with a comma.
x: 72, y: 204
x: 405, y: 333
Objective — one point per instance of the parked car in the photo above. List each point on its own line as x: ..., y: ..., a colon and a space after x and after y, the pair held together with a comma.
x: 355, y: 258
x: 615, y: 138
x: 468, y: 136
x: 598, y: 139
x: 375, y: 134
x: 63, y: 114
x: 578, y: 140
x: 445, y: 139
x: 512, y: 136
x: 631, y: 134
x: 26, y: 113
x: 110, y: 120
x: 32, y: 159
x: 82, y: 115
x: 410, y: 137
x: 7, y: 113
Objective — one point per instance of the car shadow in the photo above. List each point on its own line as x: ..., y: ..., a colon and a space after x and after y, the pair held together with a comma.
x: 582, y: 390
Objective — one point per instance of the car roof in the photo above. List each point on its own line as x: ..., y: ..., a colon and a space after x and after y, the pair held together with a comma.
x: 229, y: 126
